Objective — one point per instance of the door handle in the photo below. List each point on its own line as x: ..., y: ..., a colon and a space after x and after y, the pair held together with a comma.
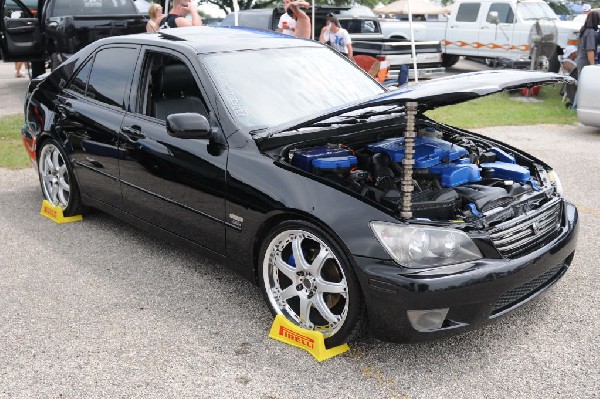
x: 134, y: 132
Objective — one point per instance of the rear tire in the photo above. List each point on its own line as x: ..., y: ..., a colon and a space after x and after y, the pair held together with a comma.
x: 449, y: 60
x: 306, y: 277
x: 57, y: 179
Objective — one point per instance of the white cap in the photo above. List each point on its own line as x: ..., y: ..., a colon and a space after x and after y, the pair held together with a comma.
x: 586, y: 7
x: 569, y: 50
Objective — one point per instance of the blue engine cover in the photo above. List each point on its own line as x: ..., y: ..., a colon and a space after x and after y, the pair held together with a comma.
x: 503, y: 156
x: 303, y: 159
x: 334, y: 163
x: 508, y: 171
x: 429, y: 151
x: 453, y: 175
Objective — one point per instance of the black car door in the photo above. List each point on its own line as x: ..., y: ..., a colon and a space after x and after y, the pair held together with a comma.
x: 20, y: 32
x: 89, y: 114
x: 176, y: 184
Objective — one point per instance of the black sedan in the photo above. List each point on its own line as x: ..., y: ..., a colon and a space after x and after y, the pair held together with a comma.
x: 339, y: 198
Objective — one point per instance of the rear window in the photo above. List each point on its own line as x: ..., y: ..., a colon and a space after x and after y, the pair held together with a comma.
x: 360, y: 26
x: 93, y: 7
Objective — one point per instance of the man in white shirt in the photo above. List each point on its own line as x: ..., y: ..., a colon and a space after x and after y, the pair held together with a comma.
x: 337, y: 37
x: 287, y: 24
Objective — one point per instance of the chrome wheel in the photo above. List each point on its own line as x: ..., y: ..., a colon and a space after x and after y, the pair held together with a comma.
x: 54, y: 176
x: 305, y: 281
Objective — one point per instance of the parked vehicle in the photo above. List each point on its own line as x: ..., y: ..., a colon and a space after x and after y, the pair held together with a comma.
x: 524, y: 32
x: 322, y: 196
x: 365, y: 32
x: 588, y: 96
x: 62, y: 28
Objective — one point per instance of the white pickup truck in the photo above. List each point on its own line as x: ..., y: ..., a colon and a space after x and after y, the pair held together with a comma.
x: 526, y: 32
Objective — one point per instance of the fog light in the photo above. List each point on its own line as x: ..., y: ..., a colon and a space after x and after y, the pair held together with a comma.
x: 427, y: 320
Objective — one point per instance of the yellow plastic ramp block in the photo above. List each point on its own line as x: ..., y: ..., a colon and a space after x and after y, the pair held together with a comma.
x: 55, y: 213
x: 311, y: 341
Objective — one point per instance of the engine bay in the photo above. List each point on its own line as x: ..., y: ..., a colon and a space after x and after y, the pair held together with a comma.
x: 454, y: 176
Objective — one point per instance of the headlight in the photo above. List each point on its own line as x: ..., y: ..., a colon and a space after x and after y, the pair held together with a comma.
x: 553, y: 177
x: 423, y: 246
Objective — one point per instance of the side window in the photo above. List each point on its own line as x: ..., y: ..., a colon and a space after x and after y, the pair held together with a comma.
x: 467, y: 12
x: 368, y: 27
x: 111, y: 75
x: 79, y: 81
x: 505, y: 13
x: 169, y: 87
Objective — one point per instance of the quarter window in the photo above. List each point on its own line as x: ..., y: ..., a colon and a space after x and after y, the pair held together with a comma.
x: 79, y: 81
x: 111, y: 75
x: 467, y: 12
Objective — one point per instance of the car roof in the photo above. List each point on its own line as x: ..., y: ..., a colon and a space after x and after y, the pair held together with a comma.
x: 208, y: 39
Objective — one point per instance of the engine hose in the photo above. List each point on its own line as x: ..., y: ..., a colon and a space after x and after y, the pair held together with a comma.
x: 384, y: 177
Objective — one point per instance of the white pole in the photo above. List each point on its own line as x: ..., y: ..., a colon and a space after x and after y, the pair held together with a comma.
x: 412, y: 42
x: 312, y: 21
x: 236, y: 9
x: 166, y: 7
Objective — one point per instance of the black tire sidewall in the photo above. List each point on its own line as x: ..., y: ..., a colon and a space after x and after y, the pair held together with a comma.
x: 352, y: 327
x: 74, y: 206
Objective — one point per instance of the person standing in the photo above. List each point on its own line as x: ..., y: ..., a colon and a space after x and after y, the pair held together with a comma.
x: 303, y: 26
x: 287, y: 24
x: 588, y: 42
x: 18, y: 66
x: 585, y: 10
x: 156, y: 15
x: 176, y: 17
x: 337, y: 37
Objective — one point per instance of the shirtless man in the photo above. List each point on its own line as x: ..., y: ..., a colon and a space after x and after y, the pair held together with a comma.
x: 303, y: 26
x: 176, y: 17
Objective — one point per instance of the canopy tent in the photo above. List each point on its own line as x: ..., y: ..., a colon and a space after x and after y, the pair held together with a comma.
x: 419, y: 7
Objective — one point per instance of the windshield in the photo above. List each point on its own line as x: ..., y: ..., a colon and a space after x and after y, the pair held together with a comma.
x: 265, y: 88
x: 535, y: 10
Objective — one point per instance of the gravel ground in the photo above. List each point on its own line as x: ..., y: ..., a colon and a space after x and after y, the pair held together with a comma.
x: 100, y: 309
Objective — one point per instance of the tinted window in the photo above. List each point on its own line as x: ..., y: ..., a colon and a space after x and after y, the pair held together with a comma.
x: 11, y: 6
x: 168, y: 87
x: 360, y: 26
x: 93, y: 7
x: 467, y: 12
x: 80, y: 80
x: 505, y: 13
x: 111, y: 75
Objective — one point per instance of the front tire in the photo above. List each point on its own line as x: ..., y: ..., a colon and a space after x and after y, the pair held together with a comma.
x: 306, y: 277
x: 57, y: 179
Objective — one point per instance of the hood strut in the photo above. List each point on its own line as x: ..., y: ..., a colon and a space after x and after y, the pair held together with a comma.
x: 408, y: 162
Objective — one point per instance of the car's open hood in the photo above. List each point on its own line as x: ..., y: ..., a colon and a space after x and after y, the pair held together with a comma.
x: 430, y: 95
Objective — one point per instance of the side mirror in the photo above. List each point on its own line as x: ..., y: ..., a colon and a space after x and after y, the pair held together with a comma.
x: 493, y: 18
x: 188, y: 126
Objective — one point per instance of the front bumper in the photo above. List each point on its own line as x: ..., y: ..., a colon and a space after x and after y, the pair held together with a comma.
x: 474, y: 293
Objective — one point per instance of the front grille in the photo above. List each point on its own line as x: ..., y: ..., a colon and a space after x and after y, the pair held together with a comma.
x: 519, y: 294
x: 517, y: 237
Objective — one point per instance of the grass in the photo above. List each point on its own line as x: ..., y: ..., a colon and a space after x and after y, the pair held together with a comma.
x: 500, y: 110
x: 494, y: 110
x: 12, y: 150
